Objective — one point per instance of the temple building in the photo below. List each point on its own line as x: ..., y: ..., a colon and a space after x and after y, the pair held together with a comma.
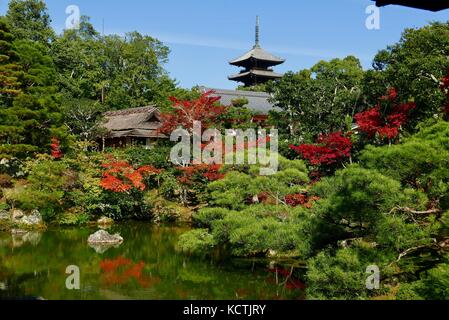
x: 257, y: 65
x: 132, y: 126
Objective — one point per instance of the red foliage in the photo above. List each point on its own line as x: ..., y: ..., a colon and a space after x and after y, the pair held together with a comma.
x: 387, y: 125
x: 210, y: 172
x: 120, y: 270
x: 445, y: 89
x: 203, y: 109
x: 295, y: 200
x: 329, y: 149
x: 55, y: 146
x: 300, y: 199
x: 120, y: 176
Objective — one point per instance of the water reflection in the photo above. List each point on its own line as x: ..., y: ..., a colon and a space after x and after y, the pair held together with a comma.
x: 145, y: 266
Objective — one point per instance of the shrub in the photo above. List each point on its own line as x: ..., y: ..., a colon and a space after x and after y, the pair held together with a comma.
x: 196, y: 242
x: 338, y: 277
x: 205, y: 217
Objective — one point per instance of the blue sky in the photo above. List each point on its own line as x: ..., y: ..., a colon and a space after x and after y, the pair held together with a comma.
x: 204, y: 35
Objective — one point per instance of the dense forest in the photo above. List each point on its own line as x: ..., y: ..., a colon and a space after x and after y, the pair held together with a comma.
x: 363, y: 160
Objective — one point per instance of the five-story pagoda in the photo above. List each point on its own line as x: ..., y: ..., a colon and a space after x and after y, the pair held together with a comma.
x: 257, y: 65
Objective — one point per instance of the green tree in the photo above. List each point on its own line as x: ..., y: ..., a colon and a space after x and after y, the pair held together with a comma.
x: 30, y: 20
x: 9, y: 69
x: 319, y: 100
x: 33, y: 117
x: 414, y: 66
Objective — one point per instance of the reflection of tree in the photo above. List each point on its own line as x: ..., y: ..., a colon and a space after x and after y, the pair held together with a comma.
x: 286, y: 279
x: 120, y: 271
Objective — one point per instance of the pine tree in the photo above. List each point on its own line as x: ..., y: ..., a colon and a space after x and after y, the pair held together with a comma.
x: 9, y: 69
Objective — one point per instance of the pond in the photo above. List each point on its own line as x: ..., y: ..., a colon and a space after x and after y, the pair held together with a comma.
x: 146, y: 266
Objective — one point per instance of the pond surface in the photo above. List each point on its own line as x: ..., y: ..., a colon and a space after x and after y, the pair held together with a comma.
x: 146, y: 266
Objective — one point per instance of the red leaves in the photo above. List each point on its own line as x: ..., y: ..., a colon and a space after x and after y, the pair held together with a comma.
x: 300, y: 199
x: 203, y: 109
x: 55, y: 146
x: 373, y: 122
x: 210, y: 172
x: 120, y: 270
x: 121, y: 177
x: 329, y: 149
x: 445, y: 88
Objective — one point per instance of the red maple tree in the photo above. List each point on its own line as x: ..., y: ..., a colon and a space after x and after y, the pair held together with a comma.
x: 204, y: 109
x: 55, y: 146
x: 190, y: 174
x: 386, y: 118
x: 329, y: 149
x: 120, y: 176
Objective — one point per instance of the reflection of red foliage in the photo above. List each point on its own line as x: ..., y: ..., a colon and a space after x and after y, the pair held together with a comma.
x: 203, y: 109
x: 291, y: 282
x: 329, y: 149
x: 387, y: 125
x: 120, y: 176
x: 55, y: 146
x: 120, y: 270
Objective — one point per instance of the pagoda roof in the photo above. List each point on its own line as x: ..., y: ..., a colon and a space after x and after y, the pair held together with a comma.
x: 255, y: 72
x: 432, y: 5
x: 257, y: 53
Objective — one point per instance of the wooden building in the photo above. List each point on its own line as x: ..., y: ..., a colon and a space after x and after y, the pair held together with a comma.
x: 257, y: 65
x: 132, y: 126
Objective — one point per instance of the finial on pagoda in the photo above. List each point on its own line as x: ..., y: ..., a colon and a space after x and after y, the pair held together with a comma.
x: 257, y: 45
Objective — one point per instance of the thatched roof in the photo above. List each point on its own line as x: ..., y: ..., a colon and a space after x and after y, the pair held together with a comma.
x: 137, y: 122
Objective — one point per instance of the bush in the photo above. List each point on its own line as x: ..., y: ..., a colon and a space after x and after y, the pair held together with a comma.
x: 337, y: 277
x: 196, y: 242
x: 205, y: 217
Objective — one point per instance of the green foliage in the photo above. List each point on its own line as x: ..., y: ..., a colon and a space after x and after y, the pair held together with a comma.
x: 196, y: 242
x: 354, y: 202
x: 414, y: 66
x: 420, y: 162
x: 9, y: 69
x: 206, y: 216
x: 434, y: 285
x: 30, y: 20
x: 45, y: 190
x: 318, y: 100
x: 336, y: 277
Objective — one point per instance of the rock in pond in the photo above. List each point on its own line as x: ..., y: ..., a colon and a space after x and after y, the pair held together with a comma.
x: 102, y: 237
x: 17, y: 214
x: 105, y: 221
x: 4, y: 215
x: 34, y: 219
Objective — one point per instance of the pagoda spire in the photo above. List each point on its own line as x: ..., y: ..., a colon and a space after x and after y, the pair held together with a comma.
x: 257, y: 64
x: 257, y: 45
